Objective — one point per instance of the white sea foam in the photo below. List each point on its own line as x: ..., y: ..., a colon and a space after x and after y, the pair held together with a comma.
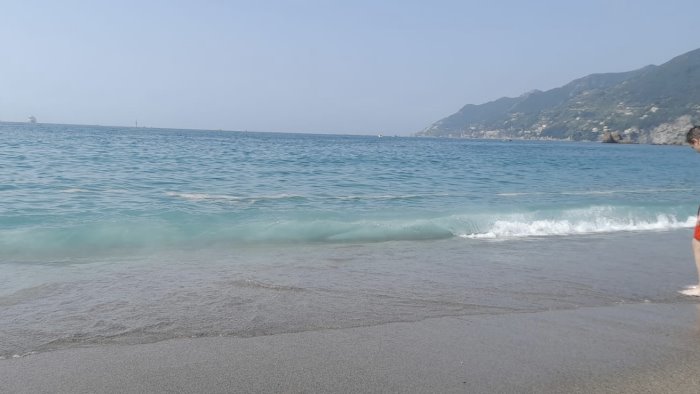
x: 592, y: 192
x: 641, y: 191
x: 202, y: 196
x: 226, y: 197
x: 515, y: 194
x: 387, y: 196
x: 540, y: 228
x: 232, y: 198
x: 74, y: 190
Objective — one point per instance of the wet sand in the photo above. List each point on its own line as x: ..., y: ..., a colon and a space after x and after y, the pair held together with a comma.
x: 634, y: 348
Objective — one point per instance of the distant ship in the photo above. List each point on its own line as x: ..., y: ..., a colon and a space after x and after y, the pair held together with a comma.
x: 32, y: 119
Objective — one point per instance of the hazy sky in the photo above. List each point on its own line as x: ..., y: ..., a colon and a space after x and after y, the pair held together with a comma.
x: 314, y: 66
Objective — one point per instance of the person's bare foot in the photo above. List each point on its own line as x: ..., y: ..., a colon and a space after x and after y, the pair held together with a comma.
x: 691, y: 291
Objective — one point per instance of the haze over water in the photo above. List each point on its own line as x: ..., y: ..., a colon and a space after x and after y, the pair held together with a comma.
x: 133, y: 235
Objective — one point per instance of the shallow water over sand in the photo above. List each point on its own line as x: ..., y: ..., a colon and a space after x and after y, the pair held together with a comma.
x: 259, y: 291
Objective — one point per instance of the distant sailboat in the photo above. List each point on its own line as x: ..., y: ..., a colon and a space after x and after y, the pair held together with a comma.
x: 32, y: 119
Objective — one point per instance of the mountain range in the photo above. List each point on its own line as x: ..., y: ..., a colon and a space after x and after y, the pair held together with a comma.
x: 654, y: 104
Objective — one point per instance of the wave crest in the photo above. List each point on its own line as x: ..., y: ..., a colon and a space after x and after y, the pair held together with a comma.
x: 121, y: 235
x: 543, y: 228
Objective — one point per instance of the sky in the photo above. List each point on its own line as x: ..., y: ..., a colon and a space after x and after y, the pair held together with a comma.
x: 347, y: 67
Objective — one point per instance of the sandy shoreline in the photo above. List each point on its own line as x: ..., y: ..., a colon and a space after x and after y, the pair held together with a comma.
x: 639, y: 348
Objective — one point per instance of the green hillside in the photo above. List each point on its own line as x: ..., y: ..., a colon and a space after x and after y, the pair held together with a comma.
x: 655, y: 104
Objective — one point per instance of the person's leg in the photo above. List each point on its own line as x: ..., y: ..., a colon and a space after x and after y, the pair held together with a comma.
x: 695, y: 290
x: 696, y: 254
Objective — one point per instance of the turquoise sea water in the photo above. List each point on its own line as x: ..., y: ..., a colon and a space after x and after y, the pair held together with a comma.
x: 124, y: 234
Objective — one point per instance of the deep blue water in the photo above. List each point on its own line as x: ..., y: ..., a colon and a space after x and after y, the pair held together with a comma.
x: 124, y: 235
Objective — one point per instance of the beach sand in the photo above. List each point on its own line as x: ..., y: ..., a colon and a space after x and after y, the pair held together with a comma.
x: 628, y: 348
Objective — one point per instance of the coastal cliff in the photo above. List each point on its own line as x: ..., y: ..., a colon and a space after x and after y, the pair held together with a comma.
x: 651, y: 105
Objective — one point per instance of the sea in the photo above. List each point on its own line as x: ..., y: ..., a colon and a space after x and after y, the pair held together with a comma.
x: 118, y: 235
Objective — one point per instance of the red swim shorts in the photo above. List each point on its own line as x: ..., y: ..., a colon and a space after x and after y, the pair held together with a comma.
x: 697, y: 226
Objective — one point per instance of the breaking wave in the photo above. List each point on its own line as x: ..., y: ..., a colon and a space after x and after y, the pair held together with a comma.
x: 543, y: 228
x: 172, y: 231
